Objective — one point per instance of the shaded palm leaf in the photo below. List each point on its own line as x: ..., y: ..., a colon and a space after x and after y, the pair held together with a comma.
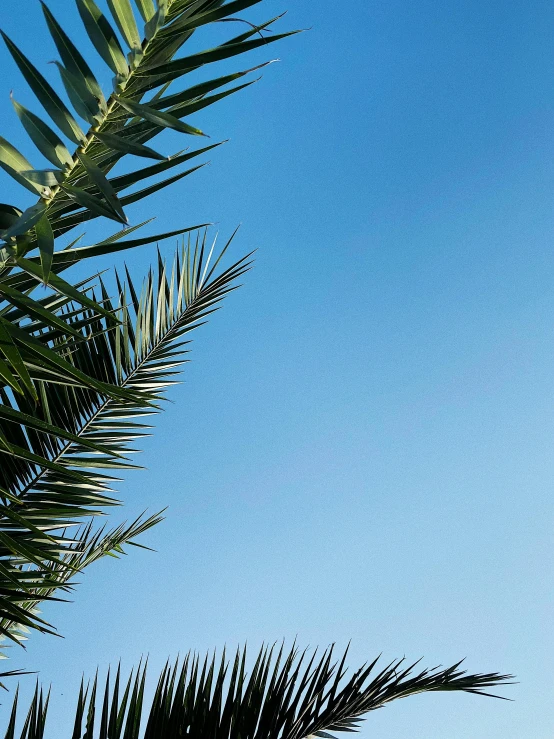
x: 285, y: 695
x: 65, y: 454
x: 87, y: 546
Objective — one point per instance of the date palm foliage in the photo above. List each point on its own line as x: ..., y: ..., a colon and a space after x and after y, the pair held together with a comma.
x: 139, y: 346
x: 83, y: 365
x: 285, y: 695
x: 80, y: 369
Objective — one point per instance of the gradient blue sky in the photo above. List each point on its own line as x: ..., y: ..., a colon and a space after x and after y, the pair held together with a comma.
x: 363, y: 447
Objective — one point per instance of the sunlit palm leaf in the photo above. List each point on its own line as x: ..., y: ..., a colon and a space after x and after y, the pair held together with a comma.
x: 115, y: 119
x: 80, y: 189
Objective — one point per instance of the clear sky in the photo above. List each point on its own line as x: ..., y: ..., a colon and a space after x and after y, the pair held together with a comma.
x: 363, y: 447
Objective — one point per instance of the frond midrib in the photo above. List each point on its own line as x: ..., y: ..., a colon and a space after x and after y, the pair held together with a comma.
x: 104, y: 407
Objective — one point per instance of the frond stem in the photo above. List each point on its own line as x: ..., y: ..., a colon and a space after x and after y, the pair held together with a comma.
x: 104, y: 406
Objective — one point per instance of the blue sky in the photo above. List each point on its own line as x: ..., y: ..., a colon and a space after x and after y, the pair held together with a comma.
x: 362, y: 448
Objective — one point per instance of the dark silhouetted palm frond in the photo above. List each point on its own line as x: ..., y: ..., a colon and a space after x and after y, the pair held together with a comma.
x: 285, y: 695
x: 88, y: 546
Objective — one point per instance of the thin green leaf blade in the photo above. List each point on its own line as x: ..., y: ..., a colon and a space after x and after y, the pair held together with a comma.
x: 201, y: 19
x: 45, y: 93
x: 14, y: 163
x: 134, y: 197
x: 127, y: 146
x: 103, y: 36
x: 164, y: 120
x: 126, y: 180
x: 54, y: 360
x: 37, y: 311
x: 38, y: 424
x: 15, y: 360
x: 125, y: 20
x: 101, y: 182
x: 195, y: 105
x: 177, y: 67
x: 82, y: 99
x: 157, y: 21
x: 45, y: 177
x: 146, y: 9
x: 64, y: 288
x: 47, y: 141
x: 45, y: 240
x: 203, y: 88
x: 97, y: 207
x: 71, y: 256
x: 27, y: 220
x: 8, y: 377
x: 8, y: 215
x: 71, y: 57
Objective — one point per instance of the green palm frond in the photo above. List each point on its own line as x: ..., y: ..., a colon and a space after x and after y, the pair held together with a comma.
x: 74, y: 444
x: 284, y: 696
x: 79, y: 371
x: 79, y: 188
x: 88, y: 546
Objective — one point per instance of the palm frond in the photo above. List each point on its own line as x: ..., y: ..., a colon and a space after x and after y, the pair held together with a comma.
x: 120, y: 124
x: 87, y: 546
x: 286, y: 695
x: 73, y: 445
x: 79, y: 188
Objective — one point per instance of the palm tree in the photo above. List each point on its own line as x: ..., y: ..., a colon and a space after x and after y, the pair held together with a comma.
x: 80, y: 372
